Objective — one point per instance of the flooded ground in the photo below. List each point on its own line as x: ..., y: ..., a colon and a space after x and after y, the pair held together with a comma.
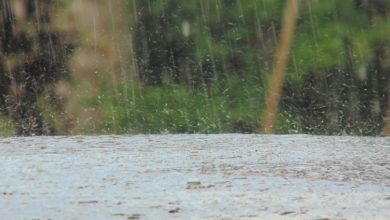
x: 228, y: 176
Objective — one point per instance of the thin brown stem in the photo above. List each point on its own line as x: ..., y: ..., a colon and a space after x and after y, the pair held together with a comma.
x: 280, y: 63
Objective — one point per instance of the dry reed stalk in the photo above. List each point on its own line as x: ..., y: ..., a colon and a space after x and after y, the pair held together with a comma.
x: 280, y: 63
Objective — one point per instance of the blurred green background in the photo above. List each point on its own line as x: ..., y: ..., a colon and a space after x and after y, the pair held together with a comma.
x: 171, y: 66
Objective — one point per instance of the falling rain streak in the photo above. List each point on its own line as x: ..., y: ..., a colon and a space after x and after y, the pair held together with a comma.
x: 170, y: 66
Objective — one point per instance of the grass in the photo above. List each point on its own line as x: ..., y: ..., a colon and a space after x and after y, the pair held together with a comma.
x: 232, y: 106
x: 6, y: 128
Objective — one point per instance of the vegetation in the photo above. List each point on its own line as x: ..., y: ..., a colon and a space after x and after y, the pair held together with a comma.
x: 202, y: 66
x: 33, y: 57
x: 177, y: 109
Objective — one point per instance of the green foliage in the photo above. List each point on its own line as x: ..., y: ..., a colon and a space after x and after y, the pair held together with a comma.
x: 177, y: 109
x: 6, y: 127
x: 323, y: 27
x: 231, y: 44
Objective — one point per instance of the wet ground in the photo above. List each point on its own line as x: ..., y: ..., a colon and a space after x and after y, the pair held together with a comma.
x: 227, y: 176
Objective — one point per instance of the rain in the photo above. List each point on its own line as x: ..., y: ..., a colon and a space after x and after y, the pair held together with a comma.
x: 132, y: 67
x: 76, y: 76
